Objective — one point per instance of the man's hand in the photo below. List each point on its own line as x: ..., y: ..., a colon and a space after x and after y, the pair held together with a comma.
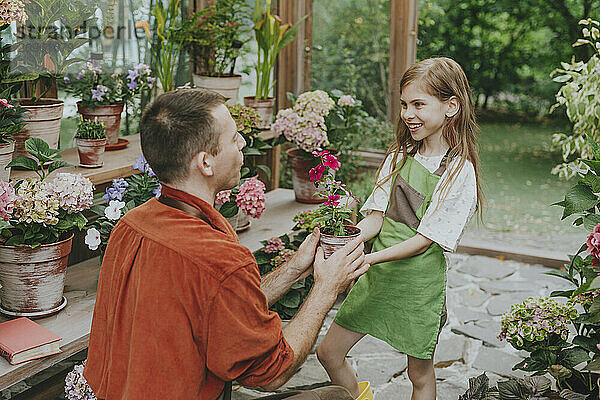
x: 301, y: 264
x: 341, y: 268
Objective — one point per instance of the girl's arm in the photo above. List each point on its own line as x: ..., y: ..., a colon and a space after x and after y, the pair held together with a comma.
x: 410, y: 247
x: 370, y: 225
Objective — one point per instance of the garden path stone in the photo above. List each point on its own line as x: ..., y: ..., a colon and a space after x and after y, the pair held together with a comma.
x: 309, y: 374
x: 504, y: 286
x: 400, y: 390
x: 449, y: 349
x: 488, y: 335
x: 380, y: 370
x: 464, y: 314
x: 456, y: 279
x: 448, y: 391
x: 500, y: 304
x: 487, y: 267
x: 472, y: 296
x: 497, y: 361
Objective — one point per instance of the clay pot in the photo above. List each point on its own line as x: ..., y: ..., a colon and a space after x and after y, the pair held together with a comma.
x: 91, y: 152
x: 109, y: 115
x: 6, y: 155
x: 228, y: 86
x: 43, y: 121
x: 304, y: 190
x: 264, y: 108
x: 32, y: 279
x: 331, y: 243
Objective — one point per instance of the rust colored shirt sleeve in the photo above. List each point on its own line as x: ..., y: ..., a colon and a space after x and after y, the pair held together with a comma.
x: 245, y: 340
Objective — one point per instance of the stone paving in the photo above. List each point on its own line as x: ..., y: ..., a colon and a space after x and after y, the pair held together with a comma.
x: 480, y: 290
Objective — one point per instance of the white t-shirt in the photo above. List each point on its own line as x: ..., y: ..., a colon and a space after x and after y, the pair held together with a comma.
x: 445, y: 219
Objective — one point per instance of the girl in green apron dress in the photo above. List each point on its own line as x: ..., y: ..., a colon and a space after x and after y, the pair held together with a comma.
x: 427, y: 190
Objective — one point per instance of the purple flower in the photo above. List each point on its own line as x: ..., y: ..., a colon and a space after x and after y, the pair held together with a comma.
x: 157, y: 190
x: 133, y: 73
x: 79, y: 75
x: 140, y: 66
x: 151, y: 79
x: 97, y: 94
x: 116, y: 192
x: 132, y: 85
x: 67, y: 80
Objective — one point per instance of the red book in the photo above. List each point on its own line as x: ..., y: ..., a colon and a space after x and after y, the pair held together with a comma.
x: 22, y: 340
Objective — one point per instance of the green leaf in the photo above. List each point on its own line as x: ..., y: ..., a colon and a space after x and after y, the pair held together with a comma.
x: 261, y: 257
x: 511, y: 390
x: 573, y: 356
x: 586, y: 342
x: 593, y: 164
x: 298, y: 285
x: 562, y: 293
x: 58, y: 164
x: 595, y: 147
x: 590, y: 221
x: 265, y: 169
x: 291, y: 299
x: 567, y: 394
x: 593, y: 365
x: 24, y: 162
x: 98, y: 209
x: 229, y: 209
x: 38, y: 148
x: 478, y: 388
x: 578, y: 199
x: 592, y: 181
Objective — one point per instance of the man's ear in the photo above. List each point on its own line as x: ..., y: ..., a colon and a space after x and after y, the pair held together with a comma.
x: 203, y: 163
x: 453, y: 106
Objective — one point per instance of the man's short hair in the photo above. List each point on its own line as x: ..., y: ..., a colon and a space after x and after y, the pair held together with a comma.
x: 177, y: 126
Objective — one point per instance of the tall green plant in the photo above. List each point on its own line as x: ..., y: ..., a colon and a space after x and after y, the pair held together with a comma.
x: 579, y: 93
x: 271, y: 36
x: 165, y: 43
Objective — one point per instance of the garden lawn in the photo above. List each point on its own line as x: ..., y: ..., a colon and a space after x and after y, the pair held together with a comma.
x: 516, y: 162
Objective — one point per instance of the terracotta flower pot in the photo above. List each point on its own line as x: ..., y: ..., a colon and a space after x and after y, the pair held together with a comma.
x: 331, y: 243
x: 109, y: 115
x: 228, y: 86
x: 32, y: 279
x: 91, y: 152
x: 304, y: 190
x: 264, y: 108
x: 6, y: 155
x: 43, y: 121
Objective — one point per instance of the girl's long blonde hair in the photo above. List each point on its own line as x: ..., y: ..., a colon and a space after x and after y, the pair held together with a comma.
x: 442, y: 78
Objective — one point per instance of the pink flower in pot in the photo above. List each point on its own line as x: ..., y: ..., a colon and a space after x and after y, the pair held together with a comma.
x: 335, y: 212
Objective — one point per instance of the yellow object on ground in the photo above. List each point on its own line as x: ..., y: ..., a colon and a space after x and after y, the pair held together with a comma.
x: 365, y: 391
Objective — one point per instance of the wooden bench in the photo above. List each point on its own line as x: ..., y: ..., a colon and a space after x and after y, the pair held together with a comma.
x: 73, y: 323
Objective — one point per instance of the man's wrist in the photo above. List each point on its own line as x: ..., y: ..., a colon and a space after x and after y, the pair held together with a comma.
x: 325, y: 293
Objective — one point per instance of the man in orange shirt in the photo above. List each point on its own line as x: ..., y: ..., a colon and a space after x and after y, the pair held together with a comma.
x: 181, y: 308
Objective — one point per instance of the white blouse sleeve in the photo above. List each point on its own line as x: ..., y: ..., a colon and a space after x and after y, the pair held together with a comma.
x: 445, y: 219
x: 379, y: 198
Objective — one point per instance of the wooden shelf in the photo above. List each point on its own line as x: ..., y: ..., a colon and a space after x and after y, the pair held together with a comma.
x: 117, y: 163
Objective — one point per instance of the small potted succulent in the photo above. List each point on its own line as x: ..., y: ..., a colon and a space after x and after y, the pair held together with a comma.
x: 91, y: 140
x: 272, y: 35
x: 213, y: 39
x: 102, y: 95
x: 335, y: 211
x: 11, y: 121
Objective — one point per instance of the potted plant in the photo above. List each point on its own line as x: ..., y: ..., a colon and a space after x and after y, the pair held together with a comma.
x: 91, y: 140
x: 247, y: 198
x: 102, y: 95
x: 335, y: 211
x: 54, y: 29
x: 272, y: 35
x: 122, y: 196
x: 247, y: 121
x: 212, y: 37
x: 165, y: 43
x: 11, y: 121
x: 38, y: 216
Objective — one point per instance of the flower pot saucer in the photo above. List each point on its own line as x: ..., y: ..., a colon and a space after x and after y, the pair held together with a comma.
x: 37, y: 314
x: 90, y: 166
x: 121, y: 144
x: 243, y: 228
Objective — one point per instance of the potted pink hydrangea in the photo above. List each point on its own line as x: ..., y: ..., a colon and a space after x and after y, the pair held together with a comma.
x: 37, y: 219
x: 246, y: 200
x: 316, y: 121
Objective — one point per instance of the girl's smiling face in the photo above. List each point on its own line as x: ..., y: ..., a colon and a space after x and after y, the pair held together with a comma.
x: 422, y: 113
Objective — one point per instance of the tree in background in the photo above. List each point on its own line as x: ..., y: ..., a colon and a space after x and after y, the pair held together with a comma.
x: 508, y: 48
